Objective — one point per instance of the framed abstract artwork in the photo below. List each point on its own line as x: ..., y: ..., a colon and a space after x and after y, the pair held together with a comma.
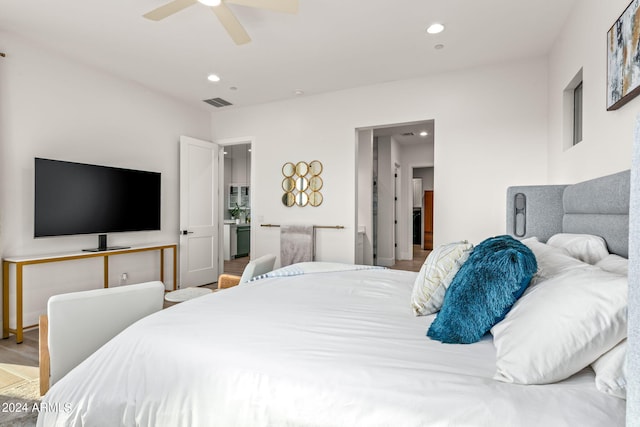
x: 623, y: 58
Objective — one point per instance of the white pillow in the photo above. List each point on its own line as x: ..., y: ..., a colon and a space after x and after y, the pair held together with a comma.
x: 551, y: 261
x: 610, y: 371
x: 560, y: 326
x: 615, y: 264
x: 436, y: 274
x: 585, y: 247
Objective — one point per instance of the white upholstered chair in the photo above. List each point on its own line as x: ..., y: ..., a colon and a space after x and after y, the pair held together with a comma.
x: 258, y: 266
x: 78, y: 323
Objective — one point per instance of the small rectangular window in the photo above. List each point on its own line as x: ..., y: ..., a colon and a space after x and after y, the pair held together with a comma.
x: 577, y: 114
x: 572, y: 117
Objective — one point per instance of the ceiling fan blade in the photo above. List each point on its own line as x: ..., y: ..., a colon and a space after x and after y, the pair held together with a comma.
x: 168, y: 9
x: 285, y: 6
x: 231, y: 24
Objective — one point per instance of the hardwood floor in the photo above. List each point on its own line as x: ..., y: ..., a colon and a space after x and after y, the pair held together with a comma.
x: 419, y: 255
x: 236, y: 266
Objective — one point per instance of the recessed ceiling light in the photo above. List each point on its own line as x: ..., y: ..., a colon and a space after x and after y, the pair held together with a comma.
x: 210, y: 2
x: 299, y: 92
x: 423, y: 133
x: 439, y: 46
x: 225, y: 153
x: 213, y: 78
x: 435, y: 28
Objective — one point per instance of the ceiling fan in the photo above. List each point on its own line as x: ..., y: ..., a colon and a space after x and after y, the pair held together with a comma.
x: 225, y: 15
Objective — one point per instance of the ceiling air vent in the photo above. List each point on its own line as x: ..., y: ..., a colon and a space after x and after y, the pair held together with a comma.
x: 218, y: 102
x: 408, y: 134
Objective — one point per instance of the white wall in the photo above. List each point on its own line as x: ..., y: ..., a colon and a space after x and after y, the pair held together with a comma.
x: 55, y: 108
x: 427, y: 177
x: 492, y: 133
x: 365, y: 192
x: 387, y: 154
x: 607, y: 135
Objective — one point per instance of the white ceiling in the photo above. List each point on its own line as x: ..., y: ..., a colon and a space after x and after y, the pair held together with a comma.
x: 329, y: 45
x: 408, y: 133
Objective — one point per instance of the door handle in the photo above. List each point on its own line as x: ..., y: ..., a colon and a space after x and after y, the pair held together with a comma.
x: 185, y: 232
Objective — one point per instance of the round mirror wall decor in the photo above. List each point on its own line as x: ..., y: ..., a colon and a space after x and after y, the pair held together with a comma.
x: 302, y: 183
x: 302, y: 199
x: 288, y: 170
x: 288, y: 184
x: 315, y: 183
x: 288, y: 199
x: 315, y: 198
x: 315, y: 168
x: 302, y: 169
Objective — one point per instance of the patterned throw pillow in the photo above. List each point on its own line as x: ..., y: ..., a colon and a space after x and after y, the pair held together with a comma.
x: 436, y: 274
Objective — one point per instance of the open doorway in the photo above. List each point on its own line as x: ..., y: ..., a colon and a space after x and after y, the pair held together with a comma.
x: 422, y: 224
x: 389, y: 157
x: 236, y: 209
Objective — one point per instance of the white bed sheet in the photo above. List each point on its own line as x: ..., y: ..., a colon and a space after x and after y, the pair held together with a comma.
x: 327, y: 349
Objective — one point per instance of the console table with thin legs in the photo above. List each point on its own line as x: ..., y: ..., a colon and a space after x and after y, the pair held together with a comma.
x: 20, y: 262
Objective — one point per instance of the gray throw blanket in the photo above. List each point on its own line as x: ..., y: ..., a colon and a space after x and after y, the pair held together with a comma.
x: 296, y: 244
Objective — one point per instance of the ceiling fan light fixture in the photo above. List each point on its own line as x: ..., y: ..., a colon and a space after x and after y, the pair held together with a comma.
x: 211, y: 3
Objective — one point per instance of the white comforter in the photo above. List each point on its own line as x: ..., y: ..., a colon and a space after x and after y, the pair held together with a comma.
x: 325, y: 349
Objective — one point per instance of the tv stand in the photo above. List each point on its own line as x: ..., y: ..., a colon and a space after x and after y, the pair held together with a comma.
x: 18, y: 264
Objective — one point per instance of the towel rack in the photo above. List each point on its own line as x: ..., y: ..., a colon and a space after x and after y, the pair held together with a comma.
x: 315, y: 226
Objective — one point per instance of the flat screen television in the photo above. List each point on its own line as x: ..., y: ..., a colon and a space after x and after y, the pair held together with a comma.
x: 76, y: 198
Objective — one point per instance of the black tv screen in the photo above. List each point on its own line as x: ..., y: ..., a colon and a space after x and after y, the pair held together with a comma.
x: 77, y: 198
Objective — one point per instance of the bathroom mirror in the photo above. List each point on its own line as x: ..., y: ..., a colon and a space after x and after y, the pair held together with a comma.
x: 288, y: 169
x: 315, y: 198
x: 287, y: 199
x: 302, y: 184
x: 288, y: 184
x: 302, y: 168
x: 315, y: 183
x: 315, y: 167
x: 302, y: 199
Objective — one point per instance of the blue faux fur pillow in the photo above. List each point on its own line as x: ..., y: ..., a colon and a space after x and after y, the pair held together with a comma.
x: 496, y: 274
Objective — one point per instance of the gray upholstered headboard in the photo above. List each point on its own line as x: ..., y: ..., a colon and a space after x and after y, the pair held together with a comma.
x: 599, y: 206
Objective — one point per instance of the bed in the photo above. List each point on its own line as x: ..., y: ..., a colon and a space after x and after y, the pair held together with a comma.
x: 336, y: 345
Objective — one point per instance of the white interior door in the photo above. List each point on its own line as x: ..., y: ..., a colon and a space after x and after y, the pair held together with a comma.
x: 199, y: 239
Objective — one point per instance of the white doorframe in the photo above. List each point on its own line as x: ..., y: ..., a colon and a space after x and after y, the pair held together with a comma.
x: 397, y: 211
x: 225, y: 142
